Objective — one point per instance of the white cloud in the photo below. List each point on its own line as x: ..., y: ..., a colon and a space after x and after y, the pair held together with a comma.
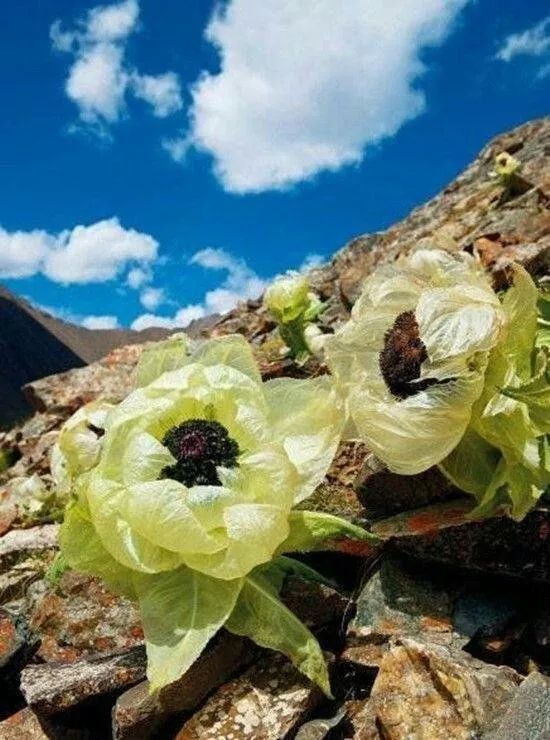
x: 240, y: 283
x: 305, y: 87
x: 100, y: 78
x: 163, y: 92
x: 89, y: 322
x: 138, y: 276
x: 182, y: 318
x: 535, y: 41
x: 151, y: 298
x: 100, y: 322
x: 85, y: 254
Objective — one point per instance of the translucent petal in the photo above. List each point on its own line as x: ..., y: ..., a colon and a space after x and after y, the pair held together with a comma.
x: 143, y: 459
x: 181, y: 611
x: 78, y: 445
x: 233, y: 351
x: 122, y: 541
x: 161, y: 357
x: 412, y: 435
x: 307, y: 417
x: 84, y: 551
x: 158, y: 510
x: 458, y: 321
x: 520, y: 306
x: 254, y: 532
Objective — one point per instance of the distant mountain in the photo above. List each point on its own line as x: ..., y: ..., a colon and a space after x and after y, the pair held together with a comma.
x: 34, y: 344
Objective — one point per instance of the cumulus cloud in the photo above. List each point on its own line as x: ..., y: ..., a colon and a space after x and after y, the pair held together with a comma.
x: 100, y: 78
x: 151, y: 298
x: 534, y: 42
x: 240, y: 282
x: 86, y: 254
x: 138, y: 276
x: 306, y: 87
x: 162, y: 92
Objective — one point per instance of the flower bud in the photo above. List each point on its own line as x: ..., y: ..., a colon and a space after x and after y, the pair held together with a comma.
x: 288, y: 297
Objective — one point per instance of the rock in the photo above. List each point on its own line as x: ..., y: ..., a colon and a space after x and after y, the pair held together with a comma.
x: 111, y: 378
x: 27, y: 541
x: 270, y: 701
x: 400, y: 601
x: 315, y: 604
x: 25, y: 554
x: 24, y: 725
x: 12, y: 637
x: 318, y: 729
x: 80, y: 618
x: 528, y: 714
x: 443, y: 533
x: 336, y: 495
x: 425, y: 690
x: 383, y: 493
x: 138, y: 713
x: 51, y: 688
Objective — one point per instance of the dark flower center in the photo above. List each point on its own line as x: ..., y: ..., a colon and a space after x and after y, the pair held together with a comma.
x: 200, y: 447
x: 402, y: 356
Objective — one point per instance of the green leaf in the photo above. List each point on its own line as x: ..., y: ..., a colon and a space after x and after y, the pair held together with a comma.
x: 471, y: 465
x: 514, y: 488
x: 159, y: 358
x: 286, y: 566
x: 311, y: 530
x: 181, y: 611
x: 520, y: 305
x: 535, y: 393
x: 260, y: 615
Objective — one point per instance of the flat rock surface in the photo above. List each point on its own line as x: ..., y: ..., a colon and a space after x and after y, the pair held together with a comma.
x: 51, y: 688
x: 269, y: 702
x: 528, y: 714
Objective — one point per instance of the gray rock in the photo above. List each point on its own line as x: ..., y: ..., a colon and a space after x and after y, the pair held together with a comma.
x: 528, y: 714
x: 19, y: 542
x: 397, y: 601
x: 51, y: 688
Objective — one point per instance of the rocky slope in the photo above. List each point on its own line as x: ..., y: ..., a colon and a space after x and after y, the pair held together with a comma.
x: 444, y: 632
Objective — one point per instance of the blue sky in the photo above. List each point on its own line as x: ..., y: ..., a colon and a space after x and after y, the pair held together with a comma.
x: 160, y: 160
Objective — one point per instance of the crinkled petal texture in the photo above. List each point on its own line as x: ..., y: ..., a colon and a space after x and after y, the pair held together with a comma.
x: 185, y: 551
x: 78, y: 445
x: 459, y: 320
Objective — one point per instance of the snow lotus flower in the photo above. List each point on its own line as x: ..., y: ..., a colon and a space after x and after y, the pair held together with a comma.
x: 439, y: 370
x: 187, y: 505
x: 411, y: 361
